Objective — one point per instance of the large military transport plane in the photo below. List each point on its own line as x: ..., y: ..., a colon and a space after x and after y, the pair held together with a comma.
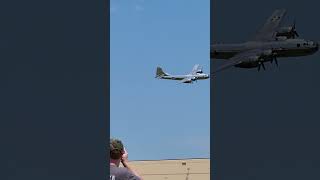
x: 196, y: 74
x: 270, y: 42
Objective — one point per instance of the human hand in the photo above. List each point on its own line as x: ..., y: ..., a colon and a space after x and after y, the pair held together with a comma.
x: 125, y: 155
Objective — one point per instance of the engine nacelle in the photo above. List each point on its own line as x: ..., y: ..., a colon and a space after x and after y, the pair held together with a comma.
x: 285, y: 29
x: 289, y: 32
x: 254, y: 58
x: 281, y: 38
x: 267, y: 52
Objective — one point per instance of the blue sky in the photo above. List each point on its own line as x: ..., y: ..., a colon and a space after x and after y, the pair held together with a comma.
x: 159, y: 119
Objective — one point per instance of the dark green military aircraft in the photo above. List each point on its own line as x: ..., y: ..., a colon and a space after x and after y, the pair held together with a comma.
x: 270, y: 42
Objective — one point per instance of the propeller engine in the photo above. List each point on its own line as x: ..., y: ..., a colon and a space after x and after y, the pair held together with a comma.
x: 274, y: 58
x: 266, y: 56
x: 258, y: 60
x: 289, y: 32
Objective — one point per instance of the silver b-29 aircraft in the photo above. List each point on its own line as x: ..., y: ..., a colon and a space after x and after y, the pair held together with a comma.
x: 270, y: 42
x: 196, y: 74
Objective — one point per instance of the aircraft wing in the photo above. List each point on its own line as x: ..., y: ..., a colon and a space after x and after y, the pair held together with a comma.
x: 268, y: 30
x: 186, y: 80
x: 238, y: 59
x: 196, y: 69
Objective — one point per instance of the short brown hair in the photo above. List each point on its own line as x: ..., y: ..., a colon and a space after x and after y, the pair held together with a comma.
x: 116, y: 149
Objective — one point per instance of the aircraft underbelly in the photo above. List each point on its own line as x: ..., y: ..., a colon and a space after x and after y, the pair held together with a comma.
x: 171, y: 78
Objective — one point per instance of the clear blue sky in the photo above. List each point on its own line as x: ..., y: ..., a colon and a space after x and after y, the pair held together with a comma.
x: 159, y: 119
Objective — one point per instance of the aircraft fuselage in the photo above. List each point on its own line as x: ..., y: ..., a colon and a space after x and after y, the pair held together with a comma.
x: 282, y: 48
x: 181, y: 77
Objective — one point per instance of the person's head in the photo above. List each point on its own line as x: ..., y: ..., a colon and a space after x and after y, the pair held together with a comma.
x: 116, y: 149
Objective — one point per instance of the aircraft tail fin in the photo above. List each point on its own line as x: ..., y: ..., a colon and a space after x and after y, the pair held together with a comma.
x: 196, y: 69
x: 160, y: 73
